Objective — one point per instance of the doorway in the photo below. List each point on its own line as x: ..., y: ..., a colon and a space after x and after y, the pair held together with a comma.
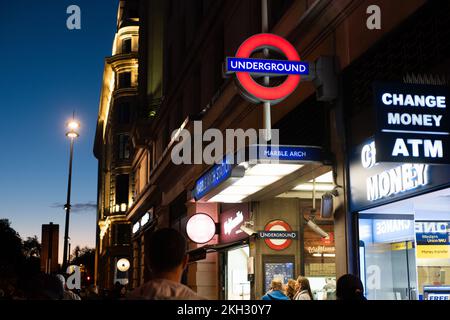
x: 404, y: 248
x: 237, y: 284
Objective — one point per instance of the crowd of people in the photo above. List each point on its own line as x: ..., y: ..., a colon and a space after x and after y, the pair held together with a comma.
x: 167, y: 260
x: 348, y: 287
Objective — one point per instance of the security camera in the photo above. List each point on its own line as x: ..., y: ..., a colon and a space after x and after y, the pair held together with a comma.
x: 317, y: 229
x: 329, y: 203
x: 244, y: 227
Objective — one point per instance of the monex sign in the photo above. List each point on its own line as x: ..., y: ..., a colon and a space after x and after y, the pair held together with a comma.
x: 413, y: 123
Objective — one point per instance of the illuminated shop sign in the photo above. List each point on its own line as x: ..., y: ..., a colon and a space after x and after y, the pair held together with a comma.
x: 211, y: 179
x: 433, y: 241
x: 288, y: 153
x: 143, y: 221
x: 231, y: 218
x: 389, y: 182
x: 244, y: 66
x: 267, y: 67
x: 278, y: 235
x: 200, y: 228
x: 392, y: 230
x: 413, y: 124
x: 374, y: 183
x: 436, y: 292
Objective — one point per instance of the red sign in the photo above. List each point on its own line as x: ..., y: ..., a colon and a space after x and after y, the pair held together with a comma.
x: 278, y: 244
x: 251, y: 87
x: 231, y: 219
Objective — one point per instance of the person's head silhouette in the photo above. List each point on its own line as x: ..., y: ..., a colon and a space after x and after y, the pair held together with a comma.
x: 166, y: 252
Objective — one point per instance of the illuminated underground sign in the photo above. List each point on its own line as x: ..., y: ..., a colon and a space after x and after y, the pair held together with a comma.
x: 244, y: 66
x: 413, y: 124
x: 392, y: 181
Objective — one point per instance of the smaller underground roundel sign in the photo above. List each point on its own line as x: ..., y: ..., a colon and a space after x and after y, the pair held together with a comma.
x: 278, y: 235
x: 246, y: 68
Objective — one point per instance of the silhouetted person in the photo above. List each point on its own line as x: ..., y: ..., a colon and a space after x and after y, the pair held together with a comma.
x: 349, y: 287
x: 43, y: 287
x: 67, y: 294
x: 117, y: 291
x: 167, y: 258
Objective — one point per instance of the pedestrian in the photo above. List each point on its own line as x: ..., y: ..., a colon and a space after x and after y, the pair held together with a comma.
x: 275, y: 292
x: 167, y: 260
x: 349, y: 287
x: 291, y: 288
x: 116, y: 293
x: 67, y: 294
x: 303, y: 289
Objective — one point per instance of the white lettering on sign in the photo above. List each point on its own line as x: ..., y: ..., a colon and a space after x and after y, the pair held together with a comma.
x: 232, y: 223
x: 320, y: 249
x: 391, y: 226
x: 406, y: 119
x: 431, y: 227
x: 368, y: 155
x: 408, y: 100
x: 434, y: 296
x: 399, y: 179
x: 418, y: 148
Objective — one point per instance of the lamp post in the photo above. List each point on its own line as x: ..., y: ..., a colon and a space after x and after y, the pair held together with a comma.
x: 72, y: 133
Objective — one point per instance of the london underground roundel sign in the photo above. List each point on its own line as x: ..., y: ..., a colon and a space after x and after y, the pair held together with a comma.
x: 282, y: 237
x: 245, y: 67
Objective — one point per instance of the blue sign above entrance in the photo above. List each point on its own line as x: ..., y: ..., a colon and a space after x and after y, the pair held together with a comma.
x: 288, y: 153
x: 211, y: 179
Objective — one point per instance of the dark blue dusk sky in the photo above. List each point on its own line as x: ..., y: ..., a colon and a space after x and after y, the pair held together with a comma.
x: 47, y: 71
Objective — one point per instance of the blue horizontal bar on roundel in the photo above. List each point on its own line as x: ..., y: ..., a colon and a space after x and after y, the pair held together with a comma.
x: 266, y: 66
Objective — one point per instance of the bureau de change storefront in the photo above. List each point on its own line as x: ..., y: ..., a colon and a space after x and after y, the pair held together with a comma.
x: 400, y: 196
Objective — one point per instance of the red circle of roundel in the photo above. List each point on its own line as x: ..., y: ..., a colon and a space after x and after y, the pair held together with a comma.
x: 251, y: 86
x: 269, y: 227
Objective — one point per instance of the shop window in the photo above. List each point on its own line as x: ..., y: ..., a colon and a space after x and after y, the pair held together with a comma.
x: 319, y: 261
x: 237, y: 284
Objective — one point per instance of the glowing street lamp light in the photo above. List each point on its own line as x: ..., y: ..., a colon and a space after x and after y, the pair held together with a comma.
x: 73, y: 127
x: 72, y: 133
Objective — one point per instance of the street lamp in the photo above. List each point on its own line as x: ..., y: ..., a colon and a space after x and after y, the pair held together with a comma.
x: 72, y: 133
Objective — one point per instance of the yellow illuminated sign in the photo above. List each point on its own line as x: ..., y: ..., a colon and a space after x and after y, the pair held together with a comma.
x: 433, y: 252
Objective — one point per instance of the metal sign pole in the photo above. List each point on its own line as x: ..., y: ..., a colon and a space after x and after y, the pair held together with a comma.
x: 266, y: 112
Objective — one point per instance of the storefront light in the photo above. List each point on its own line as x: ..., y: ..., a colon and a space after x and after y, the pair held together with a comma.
x: 227, y: 198
x: 317, y: 255
x: 242, y: 190
x: 123, y: 207
x: 255, y: 179
x: 318, y: 187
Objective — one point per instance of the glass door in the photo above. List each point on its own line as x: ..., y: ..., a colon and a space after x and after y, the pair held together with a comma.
x: 387, y: 258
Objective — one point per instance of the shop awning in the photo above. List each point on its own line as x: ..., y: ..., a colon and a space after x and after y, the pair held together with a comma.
x: 251, y: 170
